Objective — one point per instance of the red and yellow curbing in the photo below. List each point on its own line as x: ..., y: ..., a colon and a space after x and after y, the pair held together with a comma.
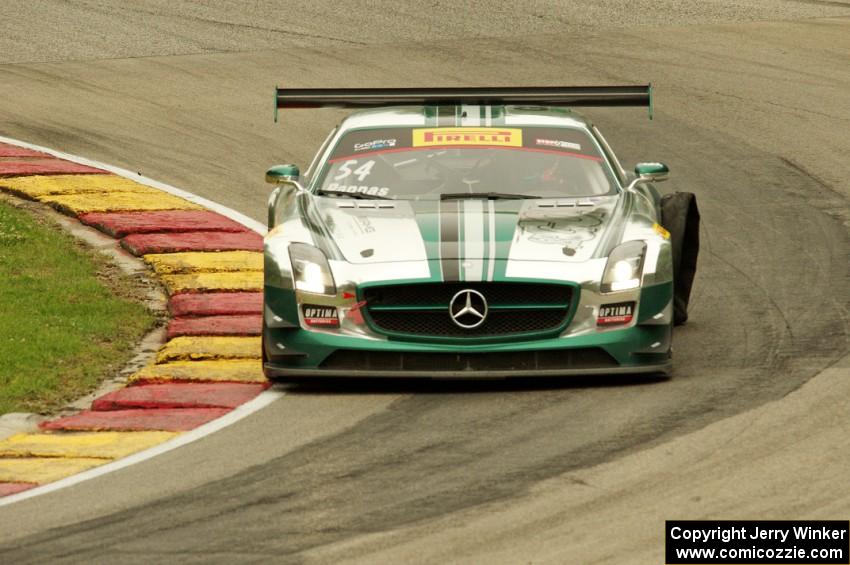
x: 211, y: 267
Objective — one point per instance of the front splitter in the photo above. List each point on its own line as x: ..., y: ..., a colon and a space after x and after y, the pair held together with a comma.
x: 276, y: 372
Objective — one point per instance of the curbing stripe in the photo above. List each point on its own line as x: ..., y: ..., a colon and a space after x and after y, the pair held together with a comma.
x: 179, y: 395
x: 15, y: 151
x: 46, y: 166
x: 76, y: 204
x: 39, y: 187
x: 44, y: 469
x: 101, y: 445
x: 119, y: 224
x: 207, y: 262
x: 8, y: 489
x: 216, y: 303
x: 215, y: 325
x: 207, y: 348
x: 159, y: 419
x: 147, y: 243
x: 233, y: 370
x: 244, y: 281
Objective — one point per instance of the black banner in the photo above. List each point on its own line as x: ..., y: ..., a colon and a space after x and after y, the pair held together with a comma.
x: 744, y: 542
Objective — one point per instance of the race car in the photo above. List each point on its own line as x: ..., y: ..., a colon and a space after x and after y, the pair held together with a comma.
x: 463, y: 232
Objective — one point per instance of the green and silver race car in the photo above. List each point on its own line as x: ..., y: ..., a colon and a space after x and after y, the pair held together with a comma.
x: 472, y: 233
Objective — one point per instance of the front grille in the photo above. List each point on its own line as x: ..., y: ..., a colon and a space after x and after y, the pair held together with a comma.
x: 550, y: 359
x: 422, y: 310
x: 439, y: 294
x: 438, y: 323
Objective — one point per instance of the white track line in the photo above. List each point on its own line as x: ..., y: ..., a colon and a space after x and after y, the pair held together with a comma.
x: 214, y: 206
x: 258, y: 403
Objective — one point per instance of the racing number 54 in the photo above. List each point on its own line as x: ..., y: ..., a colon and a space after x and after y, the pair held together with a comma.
x: 361, y: 172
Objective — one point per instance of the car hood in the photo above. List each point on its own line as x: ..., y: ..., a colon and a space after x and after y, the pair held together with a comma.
x: 464, y: 234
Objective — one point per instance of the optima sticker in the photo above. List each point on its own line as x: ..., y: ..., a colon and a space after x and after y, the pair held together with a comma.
x: 320, y: 316
x: 441, y: 137
x: 613, y: 314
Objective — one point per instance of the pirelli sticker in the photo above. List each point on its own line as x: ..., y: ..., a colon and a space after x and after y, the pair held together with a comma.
x: 320, y: 316
x: 450, y: 137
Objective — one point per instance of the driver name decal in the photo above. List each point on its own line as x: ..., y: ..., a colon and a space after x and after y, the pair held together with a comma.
x: 441, y: 137
x: 358, y: 189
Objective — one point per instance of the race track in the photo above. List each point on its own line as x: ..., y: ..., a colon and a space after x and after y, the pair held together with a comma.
x: 752, y: 114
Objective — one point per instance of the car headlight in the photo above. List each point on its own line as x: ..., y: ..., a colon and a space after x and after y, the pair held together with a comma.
x: 310, y: 269
x: 624, y: 268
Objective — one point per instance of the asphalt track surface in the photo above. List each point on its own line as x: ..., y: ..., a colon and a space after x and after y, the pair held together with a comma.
x: 752, y: 114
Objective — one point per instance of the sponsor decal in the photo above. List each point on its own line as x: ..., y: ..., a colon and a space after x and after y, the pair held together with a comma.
x: 358, y: 188
x: 614, y: 314
x: 365, y: 227
x: 355, y: 313
x: 356, y: 143
x: 558, y: 143
x: 659, y: 229
x: 320, y: 316
x: 375, y: 144
x: 573, y: 231
x: 440, y: 137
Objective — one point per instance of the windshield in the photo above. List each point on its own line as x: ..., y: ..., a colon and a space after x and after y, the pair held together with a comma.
x: 430, y: 163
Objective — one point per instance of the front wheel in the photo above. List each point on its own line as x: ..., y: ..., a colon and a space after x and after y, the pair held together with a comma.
x: 680, y: 216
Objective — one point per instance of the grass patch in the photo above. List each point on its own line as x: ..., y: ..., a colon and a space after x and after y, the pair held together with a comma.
x: 68, y: 318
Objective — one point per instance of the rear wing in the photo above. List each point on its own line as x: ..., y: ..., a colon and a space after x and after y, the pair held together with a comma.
x: 640, y: 95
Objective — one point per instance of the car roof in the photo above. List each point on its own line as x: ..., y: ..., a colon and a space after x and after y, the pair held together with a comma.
x: 465, y: 116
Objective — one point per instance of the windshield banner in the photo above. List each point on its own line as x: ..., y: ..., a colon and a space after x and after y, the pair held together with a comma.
x: 555, y: 140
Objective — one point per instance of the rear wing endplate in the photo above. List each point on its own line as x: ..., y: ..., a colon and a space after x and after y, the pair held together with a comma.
x: 640, y: 95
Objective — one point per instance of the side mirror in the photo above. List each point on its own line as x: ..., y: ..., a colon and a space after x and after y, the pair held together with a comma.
x: 652, y: 172
x: 649, y: 172
x: 286, y: 179
x: 272, y: 207
x: 284, y: 174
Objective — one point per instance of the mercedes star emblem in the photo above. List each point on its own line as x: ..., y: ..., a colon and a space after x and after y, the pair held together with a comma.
x: 468, y: 309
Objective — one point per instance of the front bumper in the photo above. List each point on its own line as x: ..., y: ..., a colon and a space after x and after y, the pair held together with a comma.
x: 638, y: 349
x: 643, y: 346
